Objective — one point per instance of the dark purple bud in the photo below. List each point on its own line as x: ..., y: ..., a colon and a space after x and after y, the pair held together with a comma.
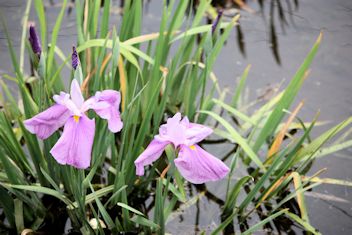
x: 75, y: 60
x: 216, y: 21
x: 34, y: 40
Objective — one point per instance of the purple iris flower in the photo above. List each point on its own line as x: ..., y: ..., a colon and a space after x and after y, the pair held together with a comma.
x: 74, y: 147
x: 194, y: 163
x: 34, y: 40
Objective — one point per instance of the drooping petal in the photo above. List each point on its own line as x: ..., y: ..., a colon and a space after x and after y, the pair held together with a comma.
x: 198, y: 166
x: 195, y: 132
x: 150, y: 154
x: 47, y: 122
x: 106, y: 105
x: 76, y: 94
x: 173, y: 131
x: 75, y: 145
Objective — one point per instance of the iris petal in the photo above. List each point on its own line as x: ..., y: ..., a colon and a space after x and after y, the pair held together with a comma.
x: 196, y: 133
x: 47, y: 122
x: 173, y: 131
x: 64, y: 99
x: 150, y: 154
x: 106, y: 105
x: 76, y: 94
x: 75, y: 144
x: 198, y: 166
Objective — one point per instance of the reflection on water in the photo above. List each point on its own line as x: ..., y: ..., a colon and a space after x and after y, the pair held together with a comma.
x: 271, y: 11
x: 279, y: 12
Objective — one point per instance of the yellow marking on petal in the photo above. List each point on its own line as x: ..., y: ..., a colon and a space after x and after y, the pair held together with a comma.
x: 76, y: 118
x: 192, y: 147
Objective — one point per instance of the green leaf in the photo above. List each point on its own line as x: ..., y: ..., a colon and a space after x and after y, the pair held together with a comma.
x: 322, y: 152
x: 287, y: 98
x: 263, y: 222
x: 54, y: 35
x: 235, y: 112
x: 237, y: 138
x: 240, y: 87
x: 94, y: 195
x: 305, y: 224
x: 24, y: 33
x: 7, y: 204
x: 224, y: 224
x: 312, y: 148
x: 231, y: 198
x: 19, y: 215
x: 130, y: 208
x: 159, y: 207
x: 198, y: 30
x: 143, y: 221
x: 44, y: 190
x: 39, y: 7
x: 108, y: 220
x: 179, y: 194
